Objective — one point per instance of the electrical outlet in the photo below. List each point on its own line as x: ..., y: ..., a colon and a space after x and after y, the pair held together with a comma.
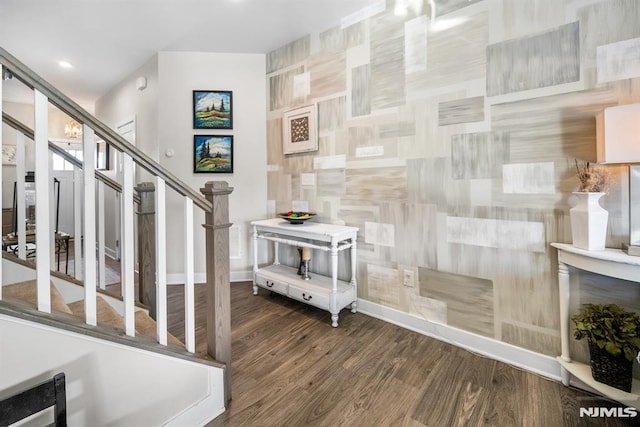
x: 408, y: 278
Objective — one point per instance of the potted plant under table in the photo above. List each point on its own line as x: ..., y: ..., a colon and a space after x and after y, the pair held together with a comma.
x: 614, y: 342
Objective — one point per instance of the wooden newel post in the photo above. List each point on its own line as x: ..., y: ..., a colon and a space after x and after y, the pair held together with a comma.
x: 147, y: 246
x: 218, y: 276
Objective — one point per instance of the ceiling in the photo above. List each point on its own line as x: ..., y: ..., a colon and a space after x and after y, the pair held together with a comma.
x: 106, y: 40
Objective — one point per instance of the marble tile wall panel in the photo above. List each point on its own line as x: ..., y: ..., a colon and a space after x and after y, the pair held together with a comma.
x: 523, y: 17
x: 415, y: 44
x: 356, y: 34
x: 275, y: 152
x: 465, y: 110
x: 447, y: 6
x: 360, y: 87
x: 339, y: 38
x: 332, y: 40
x: 301, y: 85
x: 386, y: 183
x: 358, y: 216
x: 387, y: 88
x: 556, y: 127
x: 361, y: 136
x: 469, y: 299
x: 606, y: 22
x: 618, y: 61
x: 427, y: 308
x: 329, y: 162
x: 383, y: 285
x: 529, y: 178
x: 289, y: 54
x: 479, y: 155
x: 281, y: 89
x: 415, y: 233
x: 430, y: 140
x: 377, y: 233
x: 329, y: 74
x: 331, y: 114
x: 330, y: 183
x: 597, y: 289
x: 517, y: 235
x: 396, y: 130
x: 538, y: 341
x: 370, y: 151
x: 454, y: 55
x: 533, y: 62
x: 429, y: 181
x: 279, y: 187
x: 298, y: 163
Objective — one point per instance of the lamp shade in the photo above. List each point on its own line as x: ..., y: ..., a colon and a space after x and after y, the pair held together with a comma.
x: 618, y: 134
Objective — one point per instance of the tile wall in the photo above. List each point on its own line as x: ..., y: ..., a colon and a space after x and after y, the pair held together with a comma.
x: 448, y: 136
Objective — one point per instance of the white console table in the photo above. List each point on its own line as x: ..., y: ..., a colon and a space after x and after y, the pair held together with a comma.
x: 609, y: 262
x: 327, y: 293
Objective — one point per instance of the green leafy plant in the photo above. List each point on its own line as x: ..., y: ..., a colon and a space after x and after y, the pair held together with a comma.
x: 609, y: 327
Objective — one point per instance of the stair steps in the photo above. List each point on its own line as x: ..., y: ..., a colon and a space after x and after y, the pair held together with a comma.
x: 107, y: 316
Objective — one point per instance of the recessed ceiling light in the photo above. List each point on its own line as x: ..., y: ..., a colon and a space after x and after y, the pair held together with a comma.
x: 65, y: 64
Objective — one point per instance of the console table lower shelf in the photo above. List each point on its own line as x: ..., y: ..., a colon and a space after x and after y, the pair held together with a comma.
x: 316, y: 291
x: 583, y: 372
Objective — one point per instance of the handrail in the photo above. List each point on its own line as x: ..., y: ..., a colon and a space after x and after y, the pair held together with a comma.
x: 28, y: 132
x: 31, y: 79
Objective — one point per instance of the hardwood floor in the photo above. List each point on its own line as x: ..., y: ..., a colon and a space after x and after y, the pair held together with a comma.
x: 291, y: 368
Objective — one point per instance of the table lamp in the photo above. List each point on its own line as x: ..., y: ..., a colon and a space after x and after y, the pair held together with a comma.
x: 618, y: 142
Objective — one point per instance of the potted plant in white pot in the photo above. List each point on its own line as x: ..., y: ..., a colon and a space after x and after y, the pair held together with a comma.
x: 588, y: 219
x: 614, y: 341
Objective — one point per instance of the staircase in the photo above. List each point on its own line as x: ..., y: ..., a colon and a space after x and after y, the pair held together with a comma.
x: 122, y: 367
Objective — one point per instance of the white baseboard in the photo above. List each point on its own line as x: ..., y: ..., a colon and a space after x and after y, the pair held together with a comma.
x: 110, y: 252
x: 517, y: 356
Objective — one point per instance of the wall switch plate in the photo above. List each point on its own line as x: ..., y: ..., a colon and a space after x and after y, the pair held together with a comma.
x: 408, y: 278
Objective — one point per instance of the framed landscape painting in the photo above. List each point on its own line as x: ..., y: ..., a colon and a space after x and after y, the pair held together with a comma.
x: 213, y: 153
x: 212, y: 109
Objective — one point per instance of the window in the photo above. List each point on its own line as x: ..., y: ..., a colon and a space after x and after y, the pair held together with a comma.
x: 60, y: 164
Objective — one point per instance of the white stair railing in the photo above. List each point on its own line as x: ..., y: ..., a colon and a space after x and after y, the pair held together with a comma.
x: 43, y: 231
x: 216, y: 220
x: 88, y: 195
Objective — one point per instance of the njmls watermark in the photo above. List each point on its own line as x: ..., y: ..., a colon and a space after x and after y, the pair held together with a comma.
x: 590, y: 407
x: 604, y: 412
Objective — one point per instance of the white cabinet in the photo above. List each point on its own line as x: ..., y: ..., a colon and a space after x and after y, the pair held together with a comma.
x: 609, y: 262
x: 325, y: 292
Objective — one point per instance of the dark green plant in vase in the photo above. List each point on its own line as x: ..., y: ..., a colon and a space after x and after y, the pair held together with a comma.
x: 614, y: 341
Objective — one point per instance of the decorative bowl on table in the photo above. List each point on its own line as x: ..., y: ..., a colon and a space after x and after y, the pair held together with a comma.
x: 296, y: 217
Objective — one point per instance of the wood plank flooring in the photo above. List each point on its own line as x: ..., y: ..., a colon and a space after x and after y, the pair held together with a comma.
x: 291, y: 368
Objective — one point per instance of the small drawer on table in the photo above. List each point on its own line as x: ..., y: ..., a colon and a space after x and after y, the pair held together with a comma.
x: 272, y: 285
x: 320, y: 300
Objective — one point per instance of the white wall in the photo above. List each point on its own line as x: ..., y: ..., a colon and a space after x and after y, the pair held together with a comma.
x: 107, y: 383
x: 171, y: 128
x: 120, y: 104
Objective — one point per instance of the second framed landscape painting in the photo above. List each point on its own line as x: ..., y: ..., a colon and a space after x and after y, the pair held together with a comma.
x: 213, y: 153
x: 212, y: 109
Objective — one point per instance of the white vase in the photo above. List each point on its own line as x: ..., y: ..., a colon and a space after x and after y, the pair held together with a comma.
x: 589, y: 222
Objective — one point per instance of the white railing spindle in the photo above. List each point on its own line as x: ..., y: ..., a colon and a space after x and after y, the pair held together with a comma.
x: 88, y: 141
x: 102, y: 275
x: 161, y: 261
x: 77, y: 223
x: 21, y: 224
x: 127, y: 255
x: 52, y: 213
x: 1, y: 180
x: 189, y: 299
x: 43, y: 176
